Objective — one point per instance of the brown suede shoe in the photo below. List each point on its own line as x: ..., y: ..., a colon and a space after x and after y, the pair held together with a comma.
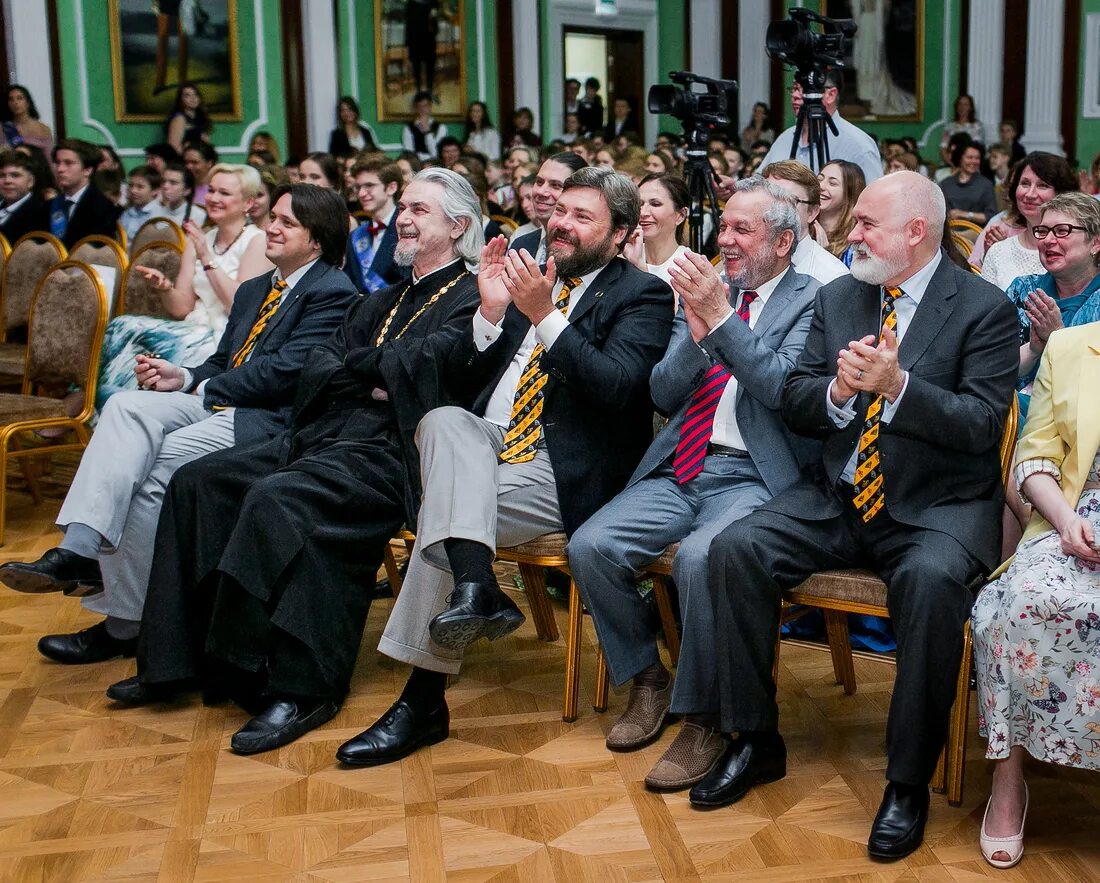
x: 692, y: 754
x: 644, y: 718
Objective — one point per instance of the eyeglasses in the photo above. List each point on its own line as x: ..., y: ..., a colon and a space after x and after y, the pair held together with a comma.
x: 1060, y: 231
x: 804, y: 201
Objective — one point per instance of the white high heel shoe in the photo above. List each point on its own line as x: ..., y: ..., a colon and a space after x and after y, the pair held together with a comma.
x: 1013, y: 846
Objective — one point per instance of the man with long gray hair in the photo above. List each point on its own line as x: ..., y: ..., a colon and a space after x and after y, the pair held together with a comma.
x: 723, y: 452
x: 266, y: 555
x: 556, y: 362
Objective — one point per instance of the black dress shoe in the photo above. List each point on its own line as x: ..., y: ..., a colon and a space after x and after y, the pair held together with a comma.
x: 750, y: 759
x: 899, y: 826
x: 90, y: 645
x: 58, y: 570
x: 132, y: 691
x: 397, y: 734
x: 476, y: 610
x: 284, y: 721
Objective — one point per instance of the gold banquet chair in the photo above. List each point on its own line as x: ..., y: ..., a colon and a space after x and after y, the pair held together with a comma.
x: 31, y: 258
x: 966, y: 229
x: 67, y: 319
x: 105, y: 252
x: 137, y: 295
x: 158, y: 230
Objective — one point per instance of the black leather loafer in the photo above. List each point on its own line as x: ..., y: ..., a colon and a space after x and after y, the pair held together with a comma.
x: 132, y: 691
x: 58, y: 570
x: 397, y: 734
x: 476, y: 610
x: 750, y: 759
x: 90, y: 645
x: 280, y: 724
x: 898, y: 828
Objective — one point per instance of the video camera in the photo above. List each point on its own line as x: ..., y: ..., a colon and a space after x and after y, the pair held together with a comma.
x: 793, y: 41
x: 694, y: 108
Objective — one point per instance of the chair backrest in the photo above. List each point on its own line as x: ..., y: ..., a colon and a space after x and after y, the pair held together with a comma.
x: 31, y: 257
x: 964, y: 245
x: 158, y: 230
x: 508, y: 226
x: 967, y: 229
x: 103, y: 252
x: 5, y: 253
x: 67, y: 321
x: 120, y: 235
x: 1008, y: 440
x: 138, y: 297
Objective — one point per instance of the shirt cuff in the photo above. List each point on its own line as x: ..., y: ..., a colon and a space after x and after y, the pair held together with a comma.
x: 200, y: 390
x: 888, y: 408
x: 188, y: 377
x: 485, y: 332
x: 1027, y: 468
x: 547, y: 331
x: 841, y: 416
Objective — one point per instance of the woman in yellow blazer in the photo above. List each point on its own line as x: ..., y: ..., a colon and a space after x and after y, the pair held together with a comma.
x: 1037, y: 628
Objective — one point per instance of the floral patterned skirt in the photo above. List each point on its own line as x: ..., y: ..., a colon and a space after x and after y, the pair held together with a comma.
x: 1037, y: 653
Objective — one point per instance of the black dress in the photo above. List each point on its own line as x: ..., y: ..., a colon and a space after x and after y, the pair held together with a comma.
x: 266, y: 554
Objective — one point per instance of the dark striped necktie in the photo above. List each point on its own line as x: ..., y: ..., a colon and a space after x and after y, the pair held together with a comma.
x: 691, y: 449
x: 267, y: 310
x: 870, y: 495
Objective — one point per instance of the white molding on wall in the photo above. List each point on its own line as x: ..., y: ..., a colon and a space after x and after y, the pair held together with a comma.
x: 706, y: 37
x: 30, y: 65
x: 1090, y: 99
x: 985, y: 62
x: 526, y: 55
x: 1043, y: 89
x: 322, y: 77
x: 477, y: 35
x: 353, y: 43
x: 754, y: 68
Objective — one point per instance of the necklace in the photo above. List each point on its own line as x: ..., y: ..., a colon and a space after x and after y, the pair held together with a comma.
x: 389, y: 319
x: 214, y: 245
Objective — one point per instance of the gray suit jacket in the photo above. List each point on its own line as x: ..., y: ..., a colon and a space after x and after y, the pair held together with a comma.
x: 760, y: 359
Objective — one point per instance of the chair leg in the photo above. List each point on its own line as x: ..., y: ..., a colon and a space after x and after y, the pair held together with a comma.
x: 840, y: 646
x: 668, y: 620
x: 960, y: 723
x: 775, y: 656
x: 939, y: 777
x: 4, y: 439
x: 542, y: 610
x: 393, y: 572
x: 572, y: 655
x: 599, y: 702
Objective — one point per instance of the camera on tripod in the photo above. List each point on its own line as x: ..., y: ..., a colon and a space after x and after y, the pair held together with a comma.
x: 694, y: 109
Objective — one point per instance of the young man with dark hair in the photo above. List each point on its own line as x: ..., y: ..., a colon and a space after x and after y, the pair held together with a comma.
x: 21, y: 211
x: 549, y: 182
x: 369, y: 262
x: 79, y: 209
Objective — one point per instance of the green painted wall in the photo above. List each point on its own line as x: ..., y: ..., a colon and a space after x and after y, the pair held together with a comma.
x: 671, y: 54
x: 355, y: 26
x: 1088, y: 130
x: 130, y: 138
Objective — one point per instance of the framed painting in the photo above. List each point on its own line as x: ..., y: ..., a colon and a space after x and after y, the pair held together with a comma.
x: 420, y: 46
x: 158, y: 44
x: 884, y: 68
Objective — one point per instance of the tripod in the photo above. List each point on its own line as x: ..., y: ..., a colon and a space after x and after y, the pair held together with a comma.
x: 813, y: 119
x: 699, y: 177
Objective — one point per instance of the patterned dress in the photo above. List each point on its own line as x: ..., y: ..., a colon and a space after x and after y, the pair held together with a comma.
x: 1037, y: 646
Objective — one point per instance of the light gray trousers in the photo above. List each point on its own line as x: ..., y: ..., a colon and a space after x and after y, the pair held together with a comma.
x: 141, y: 439
x: 468, y: 494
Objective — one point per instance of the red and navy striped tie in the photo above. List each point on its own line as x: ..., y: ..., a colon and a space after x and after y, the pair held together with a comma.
x: 691, y: 449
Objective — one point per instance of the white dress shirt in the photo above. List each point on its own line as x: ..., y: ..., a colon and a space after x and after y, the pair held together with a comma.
x: 905, y: 307
x: 726, y: 431
x: 8, y: 210
x: 376, y: 240
x: 810, y: 259
x: 499, y: 409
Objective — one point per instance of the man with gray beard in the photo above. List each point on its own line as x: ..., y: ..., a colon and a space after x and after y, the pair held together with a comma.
x: 907, y: 376
x: 556, y: 363
x: 723, y: 452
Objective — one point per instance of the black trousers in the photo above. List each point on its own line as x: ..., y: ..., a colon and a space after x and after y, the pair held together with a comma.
x: 930, y: 579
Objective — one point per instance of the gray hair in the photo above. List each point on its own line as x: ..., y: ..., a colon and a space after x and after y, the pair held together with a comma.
x: 618, y: 191
x: 781, y: 214
x: 925, y: 199
x: 1082, y: 208
x: 459, y: 201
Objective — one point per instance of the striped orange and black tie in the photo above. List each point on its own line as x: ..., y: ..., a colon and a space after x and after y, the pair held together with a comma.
x: 525, y: 427
x: 870, y: 495
x: 267, y: 310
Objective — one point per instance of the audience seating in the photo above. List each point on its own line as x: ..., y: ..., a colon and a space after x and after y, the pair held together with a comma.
x: 68, y: 317
x: 507, y: 225
x: 966, y: 229
x: 158, y: 230
x: 137, y: 296
x: 104, y: 252
x: 120, y: 234
x: 30, y: 259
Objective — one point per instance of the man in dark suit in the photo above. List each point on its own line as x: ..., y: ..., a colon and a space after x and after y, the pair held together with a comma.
x: 549, y: 181
x: 79, y: 209
x: 556, y: 366
x: 369, y: 262
x: 590, y: 108
x: 241, y: 394
x: 723, y: 453
x: 907, y: 376
x: 21, y: 211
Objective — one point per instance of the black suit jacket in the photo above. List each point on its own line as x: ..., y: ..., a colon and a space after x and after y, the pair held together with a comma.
x: 94, y: 215
x: 590, y: 114
x: 939, y: 452
x: 338, y: 144
x: 597, y: 415
x: 382, y: 263
x: 263, y: 388
x: 530, y: 241
x: 30, y: 217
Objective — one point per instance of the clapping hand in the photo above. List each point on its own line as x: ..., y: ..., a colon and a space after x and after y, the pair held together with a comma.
x: 530, y: 288
x: 495, y: 296
x: 198, y: 239
x: 159, y: 280
x: 867, y: 367
x: 634, y: 250
x: 158, y: 375
x: 1044, y: 314
x: 703, y: 295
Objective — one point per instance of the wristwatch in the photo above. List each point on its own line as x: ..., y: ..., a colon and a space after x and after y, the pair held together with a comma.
x: 213, y: 265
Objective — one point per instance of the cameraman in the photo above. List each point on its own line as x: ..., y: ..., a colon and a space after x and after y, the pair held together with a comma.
x: 850, y: 142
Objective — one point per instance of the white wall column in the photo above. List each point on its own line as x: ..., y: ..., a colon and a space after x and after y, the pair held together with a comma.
x: 30, y: 55
x: 706, y: 38
x: 526, y: 54
x: 322, y: 78
x: 753, y: 65
x: 985, y: 63
x: 1043, y: 91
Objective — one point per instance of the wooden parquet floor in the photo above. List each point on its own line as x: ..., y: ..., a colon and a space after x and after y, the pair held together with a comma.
x: 90, y: 792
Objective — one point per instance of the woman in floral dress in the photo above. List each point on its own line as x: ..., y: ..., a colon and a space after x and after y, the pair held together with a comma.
x: 1037, y: 628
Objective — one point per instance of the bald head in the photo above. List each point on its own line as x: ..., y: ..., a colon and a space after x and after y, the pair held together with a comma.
x: 899, y: 224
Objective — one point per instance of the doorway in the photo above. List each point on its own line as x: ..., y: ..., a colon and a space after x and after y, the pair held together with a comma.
x: 615, y: 58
